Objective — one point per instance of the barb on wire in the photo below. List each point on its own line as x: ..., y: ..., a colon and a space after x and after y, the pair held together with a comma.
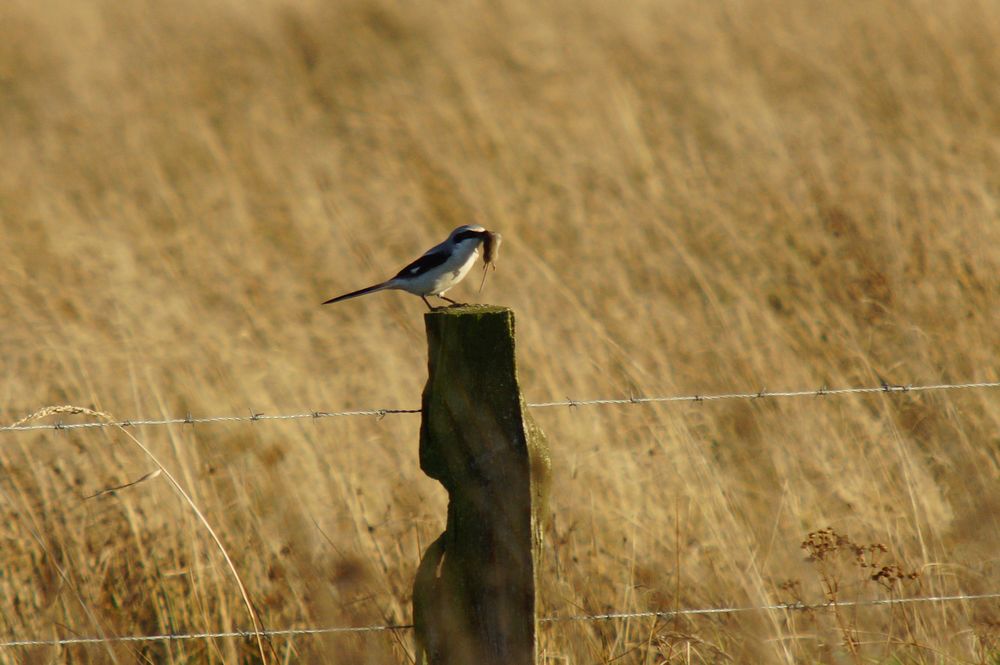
x: 379, y: 414
x: 613, y: 616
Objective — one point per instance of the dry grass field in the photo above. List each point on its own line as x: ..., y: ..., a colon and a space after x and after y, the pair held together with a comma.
x: 695, y: 198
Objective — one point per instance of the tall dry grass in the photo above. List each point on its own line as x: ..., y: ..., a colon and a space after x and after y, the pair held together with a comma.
x: 695, y: 197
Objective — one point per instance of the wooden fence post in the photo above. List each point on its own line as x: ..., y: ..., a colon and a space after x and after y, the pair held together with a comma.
x: 474, y: 593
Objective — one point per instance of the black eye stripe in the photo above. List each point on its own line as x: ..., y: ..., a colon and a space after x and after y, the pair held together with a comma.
x: 465, y: 235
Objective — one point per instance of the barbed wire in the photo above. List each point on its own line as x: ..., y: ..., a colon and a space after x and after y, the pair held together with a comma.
x: 193, y: 420
x: 797, y: 606
x: 763, y: 393
x: 614, y: 616
x: 572, y: 403
x: 248, y: 634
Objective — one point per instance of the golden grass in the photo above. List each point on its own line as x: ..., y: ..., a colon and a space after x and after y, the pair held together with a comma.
x: 694, y: 197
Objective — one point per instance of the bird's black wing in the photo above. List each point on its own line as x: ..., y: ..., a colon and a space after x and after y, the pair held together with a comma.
x: 423, y: 264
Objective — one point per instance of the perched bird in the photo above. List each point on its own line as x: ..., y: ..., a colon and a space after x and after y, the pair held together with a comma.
x: 440, y: 268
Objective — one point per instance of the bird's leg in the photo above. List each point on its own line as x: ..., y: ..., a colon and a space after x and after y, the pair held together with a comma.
x: 453, y: 302
x: 429, y: 306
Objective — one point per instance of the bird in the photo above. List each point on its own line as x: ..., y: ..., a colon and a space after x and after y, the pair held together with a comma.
x: 439, y: 269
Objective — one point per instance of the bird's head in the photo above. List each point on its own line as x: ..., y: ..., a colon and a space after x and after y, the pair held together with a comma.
x: 468, y: 232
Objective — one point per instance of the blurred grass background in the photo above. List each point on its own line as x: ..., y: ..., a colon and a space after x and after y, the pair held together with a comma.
x: 695, y: 197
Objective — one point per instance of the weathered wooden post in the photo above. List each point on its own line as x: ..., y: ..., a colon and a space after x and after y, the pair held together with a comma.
x: 474, y: 594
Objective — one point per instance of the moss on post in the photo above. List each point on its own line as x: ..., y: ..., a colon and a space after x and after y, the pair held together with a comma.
x: 474, y: 594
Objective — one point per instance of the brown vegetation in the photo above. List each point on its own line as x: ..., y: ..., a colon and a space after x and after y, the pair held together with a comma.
x: 695, y: 197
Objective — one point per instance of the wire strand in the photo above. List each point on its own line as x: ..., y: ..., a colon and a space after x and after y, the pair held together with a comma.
x: 614, y: 616
x: 192, y: 420
x: 248, y: 634
x: 572, y: 403
x: 764, y: 393
x: 666, y: 614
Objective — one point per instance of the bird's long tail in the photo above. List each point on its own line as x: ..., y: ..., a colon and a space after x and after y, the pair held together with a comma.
x: 361, y: 292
